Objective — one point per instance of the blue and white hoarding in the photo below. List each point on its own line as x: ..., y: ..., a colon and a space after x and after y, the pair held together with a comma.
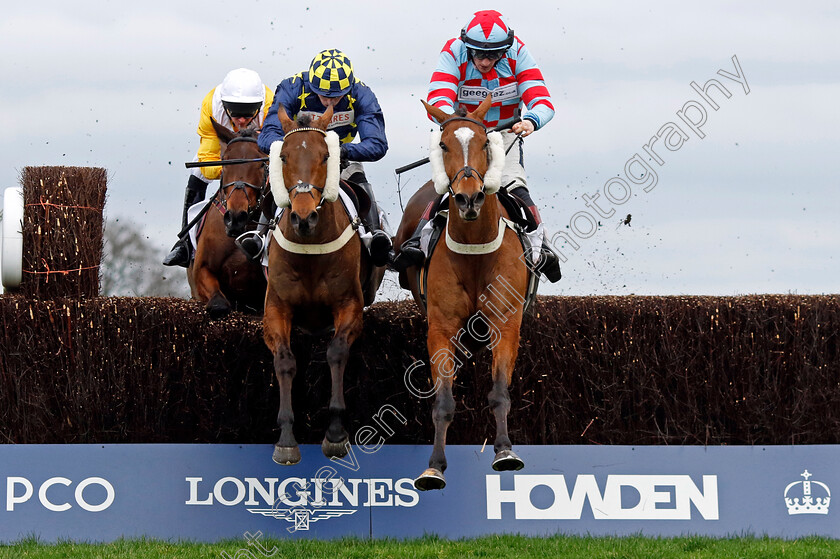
x: 212, y: 492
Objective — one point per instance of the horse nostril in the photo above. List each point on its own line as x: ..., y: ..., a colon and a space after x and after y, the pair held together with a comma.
x: 295, y: 219
x: 478, y: 199
x: 312, y: 220
x: 461, y: 200
x: 227, y: 219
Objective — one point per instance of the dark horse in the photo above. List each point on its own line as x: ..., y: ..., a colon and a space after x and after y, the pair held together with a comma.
x: 476, y: 278
x: 316, y: 270
x: 221, y: 275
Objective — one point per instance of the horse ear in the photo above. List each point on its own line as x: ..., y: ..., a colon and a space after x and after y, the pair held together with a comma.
x: 324, y: 120
x: 286, y: 123
x: 482, y: 109
x: 225, y: 134
x: 435, y: 112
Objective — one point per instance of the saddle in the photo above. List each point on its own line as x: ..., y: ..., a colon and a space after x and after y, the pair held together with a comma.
x: 520, y: 213
x: 361, y: 201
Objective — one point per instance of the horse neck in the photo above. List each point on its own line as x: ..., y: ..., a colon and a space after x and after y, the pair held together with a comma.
x: 484, y: 229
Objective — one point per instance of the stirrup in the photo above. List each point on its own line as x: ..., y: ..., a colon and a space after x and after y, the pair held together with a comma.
x: 410, y: 255
x: 251, y: 243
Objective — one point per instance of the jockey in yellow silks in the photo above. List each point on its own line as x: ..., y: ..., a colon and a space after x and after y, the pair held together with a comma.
x: 240, y: 102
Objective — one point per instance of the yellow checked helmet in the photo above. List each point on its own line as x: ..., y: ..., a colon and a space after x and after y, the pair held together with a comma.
x: 331, y: 73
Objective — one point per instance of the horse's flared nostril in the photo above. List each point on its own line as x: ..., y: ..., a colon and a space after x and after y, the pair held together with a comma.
x: 304, y: 225
x: 477, y: 200
x: 461, y: 201
x: 235, y: 222
x: 312, y: 219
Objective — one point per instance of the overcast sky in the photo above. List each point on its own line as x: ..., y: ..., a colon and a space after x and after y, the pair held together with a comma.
x: 753, y: 207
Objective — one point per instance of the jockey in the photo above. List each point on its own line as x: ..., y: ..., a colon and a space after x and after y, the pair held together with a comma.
x: 241, y: 101
x: 330, y: 82
x: 488, y: 58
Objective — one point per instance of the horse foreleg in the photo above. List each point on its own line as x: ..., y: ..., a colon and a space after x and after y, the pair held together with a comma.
x: 504, y: 359
x: 444, y: 366
x: 208, y: 289
x: 277, y: 328
x: 348, y: 326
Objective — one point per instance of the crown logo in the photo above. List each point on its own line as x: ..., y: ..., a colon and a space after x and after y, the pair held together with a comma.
x: 801, y: 499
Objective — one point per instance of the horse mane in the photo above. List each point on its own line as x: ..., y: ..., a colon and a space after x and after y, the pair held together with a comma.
x: 460, y: 112
x: 304, y: 120
x: 248, y: 133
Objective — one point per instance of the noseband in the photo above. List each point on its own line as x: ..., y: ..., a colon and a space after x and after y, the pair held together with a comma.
x: 466, y: 171
x: 242, y: 185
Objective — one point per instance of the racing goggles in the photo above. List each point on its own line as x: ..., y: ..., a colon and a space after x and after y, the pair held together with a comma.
x: 492, y: 55
x: 241, y: 110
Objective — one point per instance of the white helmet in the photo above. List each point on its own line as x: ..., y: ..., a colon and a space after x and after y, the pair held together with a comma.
x: 242, y: 93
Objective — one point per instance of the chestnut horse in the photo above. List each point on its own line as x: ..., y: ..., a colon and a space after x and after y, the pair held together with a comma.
x: 316, y: 270
x: 476, y: 277
x: 221, y: 275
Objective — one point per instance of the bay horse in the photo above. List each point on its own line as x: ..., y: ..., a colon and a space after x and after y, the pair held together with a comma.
x: 221, y: 275
x: 316, y: 270
x: 477, y: 264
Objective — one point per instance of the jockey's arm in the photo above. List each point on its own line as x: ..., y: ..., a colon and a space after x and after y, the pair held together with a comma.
x: 271, y: 129
x: 209, y: 148
x: 370, y: 122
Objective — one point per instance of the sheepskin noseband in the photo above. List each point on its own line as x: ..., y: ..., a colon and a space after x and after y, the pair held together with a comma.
x: 275, y: 169
x: 493, y: 176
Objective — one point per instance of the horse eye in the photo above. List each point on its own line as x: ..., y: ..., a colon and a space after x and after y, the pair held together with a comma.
x: 282, y: 158
x: 443, y: 147
x: 326, y: 157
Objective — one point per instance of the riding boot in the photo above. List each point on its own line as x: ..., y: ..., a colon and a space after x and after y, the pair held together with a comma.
x: 546, y: 261
x: 380, y: 243
x: 252, y: 243
x: 410, y: 253
x: 182, y: 250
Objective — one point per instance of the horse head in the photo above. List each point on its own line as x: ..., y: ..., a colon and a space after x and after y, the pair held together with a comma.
x: 466, y: 160
x: 304, y: 168
x: 242, y: 183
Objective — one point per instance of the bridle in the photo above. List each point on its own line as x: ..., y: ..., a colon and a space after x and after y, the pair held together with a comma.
x: 305, y: 186
x: 242, y: 185
x: 466, y: 171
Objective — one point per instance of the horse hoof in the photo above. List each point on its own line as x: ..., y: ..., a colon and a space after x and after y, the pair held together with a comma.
x: 507, y: 461
x: 432, y: 478
x: 218, y: 311
x: 286, y: 455
x: 335, y: 450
